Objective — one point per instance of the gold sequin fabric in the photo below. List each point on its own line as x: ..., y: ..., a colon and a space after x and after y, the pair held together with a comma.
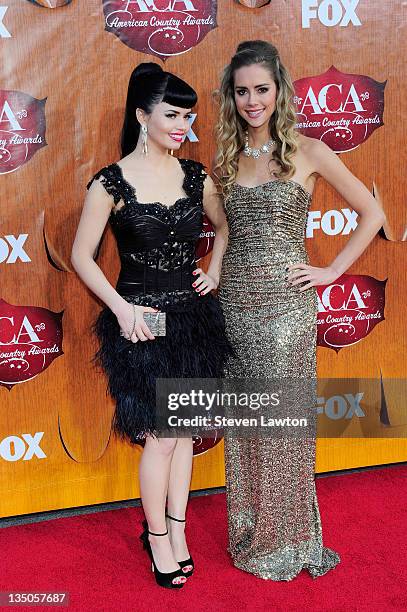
x: 274, y: 522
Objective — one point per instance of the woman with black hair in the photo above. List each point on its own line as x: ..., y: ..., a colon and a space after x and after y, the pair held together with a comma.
x: 155, y: 204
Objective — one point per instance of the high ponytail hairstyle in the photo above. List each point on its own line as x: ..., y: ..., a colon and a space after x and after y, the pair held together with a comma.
x: 230, y: 128
x: 149, y: 85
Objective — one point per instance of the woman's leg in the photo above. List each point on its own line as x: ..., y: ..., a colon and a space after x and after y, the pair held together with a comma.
x: 154, y: 474
x: 178, y: 491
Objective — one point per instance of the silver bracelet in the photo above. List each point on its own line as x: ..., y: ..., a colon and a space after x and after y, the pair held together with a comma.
x: 134, y: 324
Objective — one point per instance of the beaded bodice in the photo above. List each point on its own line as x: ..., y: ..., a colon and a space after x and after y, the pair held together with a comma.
x: 267, y: 226
x: 156, y: 242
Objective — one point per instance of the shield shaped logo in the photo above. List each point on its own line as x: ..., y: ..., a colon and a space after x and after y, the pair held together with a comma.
x: 164, y: 28
x: 340, y: 109
x: 22, y: 131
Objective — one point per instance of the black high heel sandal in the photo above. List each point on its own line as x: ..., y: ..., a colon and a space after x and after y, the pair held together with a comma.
x: 188, y: 561
x: 163, y: 579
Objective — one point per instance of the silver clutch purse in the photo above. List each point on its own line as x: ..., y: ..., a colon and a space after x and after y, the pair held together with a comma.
x: 156, y: 322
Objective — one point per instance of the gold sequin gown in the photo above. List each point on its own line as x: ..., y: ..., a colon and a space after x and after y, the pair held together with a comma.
x: 273, y: 515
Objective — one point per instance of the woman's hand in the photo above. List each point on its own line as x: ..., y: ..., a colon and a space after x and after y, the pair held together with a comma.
x: 301, y: 272
x: 204, y: 282
x: 126, y: 321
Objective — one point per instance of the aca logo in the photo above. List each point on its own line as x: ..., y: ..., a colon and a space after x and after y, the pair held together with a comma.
x: 4, y: 33
x: 22, y: 128
x: 24, y: 447
x: 332, y: 222
x: 340, y: 109
x: 206, y: 239
x: 203, y: 445
x: 30, y: 340
x: 12, y: 249
x: 160, y: 27
x: 330, y: 12
x: 349, y: 309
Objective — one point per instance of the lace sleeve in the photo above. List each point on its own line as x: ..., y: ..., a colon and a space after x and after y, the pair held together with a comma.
x: 103, y: 176
x: 202, y: 168
x: 200, y: 175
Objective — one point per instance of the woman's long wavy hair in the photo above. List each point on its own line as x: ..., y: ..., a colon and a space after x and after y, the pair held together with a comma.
x: 230, y: 128
x: 149, y: 85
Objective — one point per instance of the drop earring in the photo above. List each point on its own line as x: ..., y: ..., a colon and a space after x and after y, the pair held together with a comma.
x: 144, y: 139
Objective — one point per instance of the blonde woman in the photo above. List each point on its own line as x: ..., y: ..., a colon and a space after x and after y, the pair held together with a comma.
x: 267, y: 173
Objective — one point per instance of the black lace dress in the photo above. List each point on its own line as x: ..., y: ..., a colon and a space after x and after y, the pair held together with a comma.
x: 156, y: 245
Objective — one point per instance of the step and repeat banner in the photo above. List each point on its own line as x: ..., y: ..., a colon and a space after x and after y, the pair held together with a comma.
x: 64, y: 74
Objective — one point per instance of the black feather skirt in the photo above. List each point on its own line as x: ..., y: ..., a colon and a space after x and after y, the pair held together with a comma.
x: 195, y: 346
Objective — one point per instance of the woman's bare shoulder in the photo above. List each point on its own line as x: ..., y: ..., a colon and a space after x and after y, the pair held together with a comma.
x: 312, y: 147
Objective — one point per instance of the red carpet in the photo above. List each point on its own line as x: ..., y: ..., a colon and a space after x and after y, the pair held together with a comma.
x: 99, y: 560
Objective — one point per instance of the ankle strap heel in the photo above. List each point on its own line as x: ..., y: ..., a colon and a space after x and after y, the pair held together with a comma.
x: 163, y: 579
x: 187, y: 562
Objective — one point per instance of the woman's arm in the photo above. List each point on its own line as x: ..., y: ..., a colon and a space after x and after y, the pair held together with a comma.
x: 371, y: 217
x: 95, y: 214
x: 213, y: 208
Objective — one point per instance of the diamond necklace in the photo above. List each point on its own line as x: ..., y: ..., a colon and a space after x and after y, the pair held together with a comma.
x: 250, y: 152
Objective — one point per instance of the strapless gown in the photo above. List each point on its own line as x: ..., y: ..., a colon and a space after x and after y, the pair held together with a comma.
x: 156, y: 245
x: 273, y: 516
